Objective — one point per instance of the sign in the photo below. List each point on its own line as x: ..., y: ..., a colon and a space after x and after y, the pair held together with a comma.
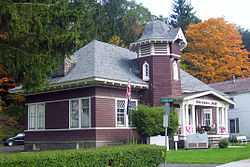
x: 165, y: 120
x: 205, y: 102
x: 176, y: 138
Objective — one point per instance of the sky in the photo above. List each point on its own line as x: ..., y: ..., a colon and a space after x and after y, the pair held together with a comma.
x: 234, y: 11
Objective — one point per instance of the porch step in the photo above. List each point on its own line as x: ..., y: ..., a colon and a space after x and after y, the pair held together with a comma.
x: 214, y: 142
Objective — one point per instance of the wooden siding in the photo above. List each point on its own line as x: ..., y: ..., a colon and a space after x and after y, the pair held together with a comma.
x: 57, y: 115
x: 105, y: 112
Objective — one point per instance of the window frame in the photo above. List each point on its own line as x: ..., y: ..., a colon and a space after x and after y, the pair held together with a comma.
x: 36, y: 116
x: 176, y: 76
x: 125, y: 112
x: 236, y: 126
x: 145, y: 71
x: 80, y: 112
x: 210, y: 112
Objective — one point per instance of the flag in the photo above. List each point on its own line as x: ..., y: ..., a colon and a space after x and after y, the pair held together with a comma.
x: 128, y: 95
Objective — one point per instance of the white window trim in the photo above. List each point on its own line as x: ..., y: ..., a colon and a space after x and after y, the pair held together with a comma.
x: 176, y: 76
x: 79, y: 112
x: 126, y: 115
x: 36, y: 109
x: 144, y: 76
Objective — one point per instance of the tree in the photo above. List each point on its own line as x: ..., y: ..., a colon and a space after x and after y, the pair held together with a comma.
x: 121, y: 18
x: 173, y: 123
x: 245, y: 38
x: 215, y: 51
x: 149, y: 120
x: 36, y: 35
x: 183, y: 14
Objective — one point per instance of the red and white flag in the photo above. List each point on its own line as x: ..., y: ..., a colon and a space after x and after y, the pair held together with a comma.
x: 128, y: 95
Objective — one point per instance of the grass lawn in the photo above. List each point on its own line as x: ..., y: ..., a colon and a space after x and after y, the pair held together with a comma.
x: 209, y: 156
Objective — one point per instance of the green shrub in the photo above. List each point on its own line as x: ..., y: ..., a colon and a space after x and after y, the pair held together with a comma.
x: 119, y: 156
x: 223, y: 143
x: 149, y: 120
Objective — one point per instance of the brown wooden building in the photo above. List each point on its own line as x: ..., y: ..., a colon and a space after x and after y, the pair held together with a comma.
x: 86, y: 104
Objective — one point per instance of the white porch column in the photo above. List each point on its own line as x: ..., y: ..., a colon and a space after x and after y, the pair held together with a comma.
x: 193, y: 119
x: 217, y: 120
x: 223, y: 116
x: 183, y: 120
x: 226, y: 119
x: 187, y: 115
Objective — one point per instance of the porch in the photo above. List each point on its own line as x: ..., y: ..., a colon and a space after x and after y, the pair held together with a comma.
x: 204, y: 112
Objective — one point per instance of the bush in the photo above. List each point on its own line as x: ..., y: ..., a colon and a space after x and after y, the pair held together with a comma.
x: 149, y: 120
x: 119, y: 156
x: 223, y: 143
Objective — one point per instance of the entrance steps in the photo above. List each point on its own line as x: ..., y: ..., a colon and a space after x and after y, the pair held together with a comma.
x: 214, y: 141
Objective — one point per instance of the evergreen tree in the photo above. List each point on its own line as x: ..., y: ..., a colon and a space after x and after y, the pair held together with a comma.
x: 183, y: 14
x: 35, y: 35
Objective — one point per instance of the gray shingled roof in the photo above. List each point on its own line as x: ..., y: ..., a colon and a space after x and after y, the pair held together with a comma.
x: 159, y: 30
x: 102, y: 60
x: 191, y: 84
x: 240, y: 85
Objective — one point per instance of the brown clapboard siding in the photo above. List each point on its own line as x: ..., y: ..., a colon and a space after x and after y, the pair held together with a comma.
x: 105, y: 112
x: 67, y: 135
x: 60, y: 95
x: 57, y: 115
x: 116, y: 134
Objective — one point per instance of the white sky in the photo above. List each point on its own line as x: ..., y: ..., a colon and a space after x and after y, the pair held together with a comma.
x: 235, y: 11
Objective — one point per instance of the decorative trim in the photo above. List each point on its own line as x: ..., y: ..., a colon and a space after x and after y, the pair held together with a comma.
x: 207, y: 93
x: 91, y: 128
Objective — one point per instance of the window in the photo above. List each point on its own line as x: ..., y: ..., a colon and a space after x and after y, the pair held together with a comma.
x: 36, y: 116
x: 234, y: 125
x: 207, y: 117
x: 145, y: 71
x: 175, y: 71
x: 123, y: 118
x: 80, y: 116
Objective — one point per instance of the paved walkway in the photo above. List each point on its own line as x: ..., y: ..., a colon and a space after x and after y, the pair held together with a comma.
x: 243, y: 163
x: 186, y: 165
x: 5, y: 149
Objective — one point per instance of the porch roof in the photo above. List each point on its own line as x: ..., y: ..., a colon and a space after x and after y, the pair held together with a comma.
x: 193, y: 95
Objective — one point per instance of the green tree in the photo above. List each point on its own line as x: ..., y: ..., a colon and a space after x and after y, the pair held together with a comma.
x: 37, y: 35
x: 149, y: 121
x: 173, y: 123
x: 121, y: 18
x: 183, y: 14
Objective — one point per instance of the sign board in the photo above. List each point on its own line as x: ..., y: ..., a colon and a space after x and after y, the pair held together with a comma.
x: 176, y: 138
x: 197, y: 141
x: 165, y: 120
x: 204, y: 102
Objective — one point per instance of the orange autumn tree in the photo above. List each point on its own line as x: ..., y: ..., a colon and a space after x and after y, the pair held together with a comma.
x: 215, y: 51
x: 6, y: 83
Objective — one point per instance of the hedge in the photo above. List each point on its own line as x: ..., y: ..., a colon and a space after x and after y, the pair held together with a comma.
x: 117, y: 156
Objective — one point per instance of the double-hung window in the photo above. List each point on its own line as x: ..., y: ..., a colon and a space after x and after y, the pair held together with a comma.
x: 80, y: 113
x: 36, y: 116
x: 234, y: 125
x: 124, y: 117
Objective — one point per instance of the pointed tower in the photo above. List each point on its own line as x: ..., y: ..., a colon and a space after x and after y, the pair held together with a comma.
x: 158, y: 57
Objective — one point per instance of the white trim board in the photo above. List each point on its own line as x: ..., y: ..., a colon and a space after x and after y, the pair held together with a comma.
x: 91, y: 128
x: 207, y: 93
